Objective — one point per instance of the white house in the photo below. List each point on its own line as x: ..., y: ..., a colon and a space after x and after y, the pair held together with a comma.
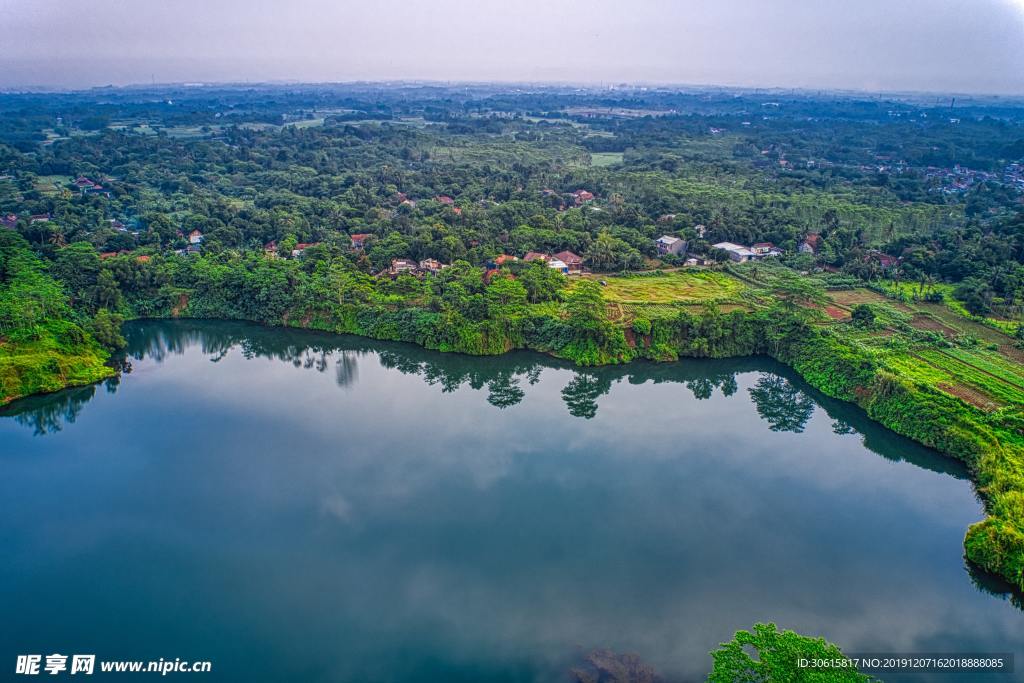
x: 670, y: 245
x: 558, y: 265
x: 737, y: 252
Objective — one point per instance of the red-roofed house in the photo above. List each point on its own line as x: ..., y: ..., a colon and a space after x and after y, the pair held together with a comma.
x: 572, y: 261
x: 445, y: 199
x: 303, y: 246
x: 503, y: 259
x: 536, y: 256
x: 358, y: 240
x: 582, y: 196
x: 885, y: 261
x: 810, y: 243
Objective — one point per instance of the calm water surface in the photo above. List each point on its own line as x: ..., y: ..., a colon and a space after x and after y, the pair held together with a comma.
x: 297, y: 506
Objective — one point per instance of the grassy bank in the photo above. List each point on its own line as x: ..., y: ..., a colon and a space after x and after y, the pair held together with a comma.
x: 61, y: 356
x: 42, y: 346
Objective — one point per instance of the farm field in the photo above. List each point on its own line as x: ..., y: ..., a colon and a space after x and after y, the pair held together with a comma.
x: 672, y: 287
x: 49, y: 184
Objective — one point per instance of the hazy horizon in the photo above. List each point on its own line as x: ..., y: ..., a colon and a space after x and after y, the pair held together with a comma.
x: 924, y: 46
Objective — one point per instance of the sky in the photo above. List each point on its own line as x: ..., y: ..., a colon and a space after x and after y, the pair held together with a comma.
x: 892, y: 45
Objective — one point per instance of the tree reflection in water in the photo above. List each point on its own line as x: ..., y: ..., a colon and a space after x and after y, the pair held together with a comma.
x: 782, y: 405
x: 781, y: 398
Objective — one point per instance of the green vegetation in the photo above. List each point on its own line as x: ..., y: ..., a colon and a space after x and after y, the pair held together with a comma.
x: 41, y: 348
x: 605, y: 158
x: 778, y: 654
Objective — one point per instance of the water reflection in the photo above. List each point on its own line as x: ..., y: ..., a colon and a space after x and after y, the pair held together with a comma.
x: 355, y: 510
x: 783, y: 406
x: 781, y: 398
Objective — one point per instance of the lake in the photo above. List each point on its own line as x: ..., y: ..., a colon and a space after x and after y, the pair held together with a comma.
x: 293, y: 505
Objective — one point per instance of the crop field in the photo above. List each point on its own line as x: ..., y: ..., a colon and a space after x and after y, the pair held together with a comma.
x: 49, y: 184
x: 991, y: 362
x: 964, y: 372
x: 675, y: 287
x: 605, y: 158
x: 853, y: 297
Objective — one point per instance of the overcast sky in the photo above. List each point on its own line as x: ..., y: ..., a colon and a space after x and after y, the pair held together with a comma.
x: 936, y: 45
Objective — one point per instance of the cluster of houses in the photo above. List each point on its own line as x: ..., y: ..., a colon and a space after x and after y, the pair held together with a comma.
x: 10, y: 220
x: 1014, y: 175
x: 405, y: 266
x: 564, y: 261
x: 957, y: 179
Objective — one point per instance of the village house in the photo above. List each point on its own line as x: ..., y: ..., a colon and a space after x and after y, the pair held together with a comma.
x: 84, y: 184
x: 762, y: 249
x: 667, y: 244
x: 737, y: 252
x: 118, y: 225
x: 10, y: 221
x: 667, y: 218
x: 195, y: 237
x: 558, y: 265
x: 401, y: 266
x: 582, y: 196
x: 430, y: 265
x: 301, y: 248
x: 499, y: 261
x: 884, y: 261
x: 270, y: 249
x: 445, y: 199
x: 536, y: 256
x: 39, y: 218
x: 573, y: 262
x: 358, y: 240
x: 810, y: 244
